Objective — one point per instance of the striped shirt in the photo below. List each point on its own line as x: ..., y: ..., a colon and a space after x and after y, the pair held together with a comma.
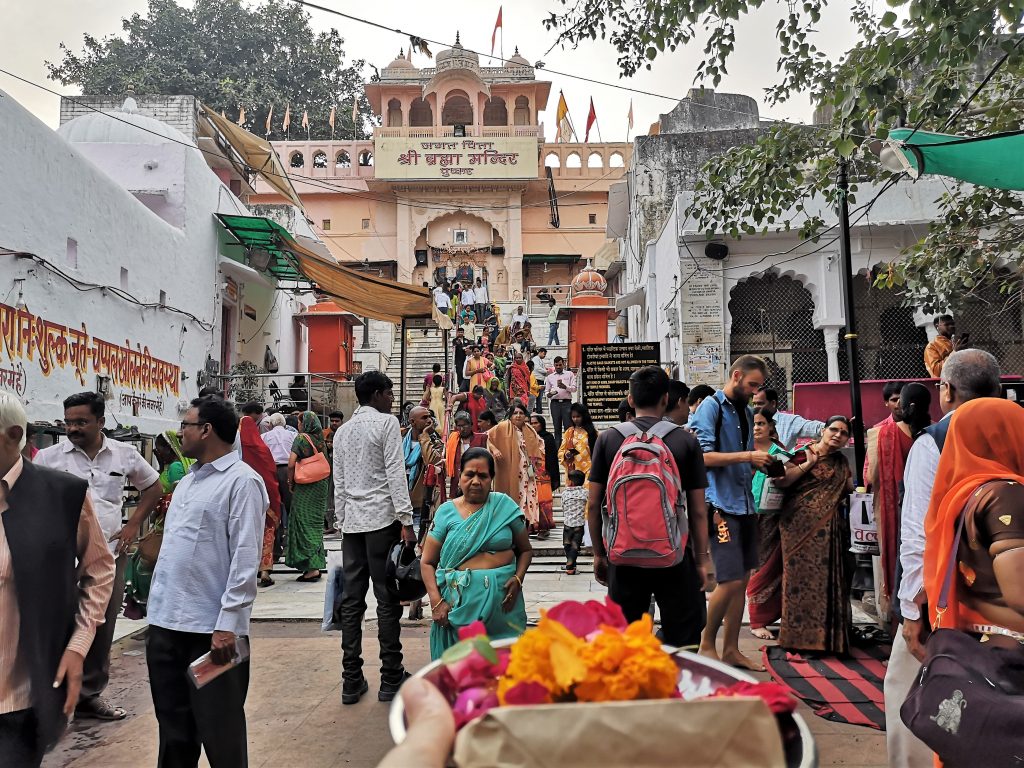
x: 95, y: 581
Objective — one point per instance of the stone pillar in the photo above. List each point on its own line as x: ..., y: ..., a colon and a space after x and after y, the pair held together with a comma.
x: 514, y: 248
x: 831, y: 333
x: 404, y: 244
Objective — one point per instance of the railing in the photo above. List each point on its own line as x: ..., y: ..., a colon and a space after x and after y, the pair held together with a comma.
x: 448, y: 131
x: 317, y: 392
x: 537, y: 297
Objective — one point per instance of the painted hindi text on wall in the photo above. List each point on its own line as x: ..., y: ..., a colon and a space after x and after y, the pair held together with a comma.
x: 605, y: 370
x: 455, y: 158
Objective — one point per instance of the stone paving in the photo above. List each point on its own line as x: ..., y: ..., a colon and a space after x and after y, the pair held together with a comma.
x: 295, y: 717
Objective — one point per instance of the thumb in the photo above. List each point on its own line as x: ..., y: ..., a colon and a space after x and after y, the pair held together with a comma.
x: 431, y: 730
x: 62, y: 670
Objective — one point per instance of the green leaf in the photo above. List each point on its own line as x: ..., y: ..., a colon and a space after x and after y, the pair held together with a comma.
x: 846, y: 147
x: 888, y: 19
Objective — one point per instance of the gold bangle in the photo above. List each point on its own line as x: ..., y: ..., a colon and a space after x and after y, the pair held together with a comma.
x: 516, y: 577
x: 435, y: 607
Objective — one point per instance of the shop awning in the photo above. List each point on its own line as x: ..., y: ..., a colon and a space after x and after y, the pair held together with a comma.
x: 357, y: 292
x: 258, y: 154
x: 632, y: 299
x: 552, y: 258
x: 987, y: 161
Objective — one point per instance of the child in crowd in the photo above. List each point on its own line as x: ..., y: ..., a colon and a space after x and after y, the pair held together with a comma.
x: 574, y: 506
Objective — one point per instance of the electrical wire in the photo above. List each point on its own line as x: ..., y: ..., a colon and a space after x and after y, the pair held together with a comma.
x: 85, y: 287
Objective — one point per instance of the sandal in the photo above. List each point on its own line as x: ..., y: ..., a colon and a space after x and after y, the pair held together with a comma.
x: 570, y: 571
x: 99, y: 709
x: 307, y: 579
x: 265, y: 580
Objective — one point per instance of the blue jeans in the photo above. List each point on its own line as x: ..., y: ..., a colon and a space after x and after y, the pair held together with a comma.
x: 553, y: 334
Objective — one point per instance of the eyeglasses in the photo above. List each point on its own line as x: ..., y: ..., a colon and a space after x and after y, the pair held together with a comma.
x: 191, y: 424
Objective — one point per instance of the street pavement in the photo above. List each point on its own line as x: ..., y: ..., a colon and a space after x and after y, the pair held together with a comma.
x: 294, y: 712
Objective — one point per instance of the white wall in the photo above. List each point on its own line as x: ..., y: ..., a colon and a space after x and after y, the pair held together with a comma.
x: 58, y: 191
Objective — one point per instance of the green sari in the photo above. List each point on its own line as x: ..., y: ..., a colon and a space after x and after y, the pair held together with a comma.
x: 309, y: 501
x: 477, y: 594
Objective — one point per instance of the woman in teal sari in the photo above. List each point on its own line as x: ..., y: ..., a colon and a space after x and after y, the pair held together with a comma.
x: 475, y: 559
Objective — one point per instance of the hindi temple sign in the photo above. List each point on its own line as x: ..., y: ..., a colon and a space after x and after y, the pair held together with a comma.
x: 454, y: 157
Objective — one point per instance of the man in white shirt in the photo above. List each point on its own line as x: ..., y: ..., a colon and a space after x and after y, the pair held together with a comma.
x: 468, y: 298
x: 966, y: 375
x: 790, y: 427
x: 541, y: 369
x: 442, y: 299
x: 280, y: 440
x: 559, y: 387
x: 483, y: 301
x: 553, y: 323
x: 374, y: 511
x: 203, y: 588
x: 107, y: 465
x: 518, y: 320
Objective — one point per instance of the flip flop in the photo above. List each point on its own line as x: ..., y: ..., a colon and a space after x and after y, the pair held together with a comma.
x: 306, y: 580
x: 100, y: 709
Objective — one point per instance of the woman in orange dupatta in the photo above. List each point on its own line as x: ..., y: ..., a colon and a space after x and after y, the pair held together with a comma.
x: 985, y: 443
x: 519, y: 461
x: 256, y: 454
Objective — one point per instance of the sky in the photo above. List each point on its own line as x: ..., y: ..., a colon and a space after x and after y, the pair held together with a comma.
x: 25, y: 44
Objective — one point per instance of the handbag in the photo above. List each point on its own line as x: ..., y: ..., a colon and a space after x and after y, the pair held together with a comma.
x: 312, y: 469
x: 967, y: 703
x: 270, y: 364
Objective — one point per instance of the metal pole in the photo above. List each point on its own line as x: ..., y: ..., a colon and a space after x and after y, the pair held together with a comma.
x: 852, y: 360
x: 401, y: 384
x: 366, y: 333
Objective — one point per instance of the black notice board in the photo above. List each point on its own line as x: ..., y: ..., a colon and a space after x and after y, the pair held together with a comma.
x: 605, y: 372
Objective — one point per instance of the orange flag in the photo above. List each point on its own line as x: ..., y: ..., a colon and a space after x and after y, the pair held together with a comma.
x: 591, y: 119
x: 287, y: 117
x: 270, y: 114
x: 494, y: 34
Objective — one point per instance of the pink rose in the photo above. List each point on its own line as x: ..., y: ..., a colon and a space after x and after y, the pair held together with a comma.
x: 584, y: 619
x: 526, y: 693
x: 472, y: 703
x: 776, y: 696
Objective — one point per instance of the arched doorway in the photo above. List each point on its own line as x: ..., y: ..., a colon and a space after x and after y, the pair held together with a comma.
x: 457, y: 109
x: 521, y: 116
x: 394, y: 114
x: 420, y: 114
x: 773, y: 317
x: 495, y: 111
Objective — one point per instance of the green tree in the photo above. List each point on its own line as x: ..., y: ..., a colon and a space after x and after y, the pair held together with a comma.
x: 231, y: 56
x: 916, y: 63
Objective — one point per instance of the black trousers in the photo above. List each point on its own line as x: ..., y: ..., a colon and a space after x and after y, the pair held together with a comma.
x: 572, y: 543
x: 561, y: 419
x: 19, y: 740
x: 677, y: 591
x: 211, y: 718
x: 286, y: 503
x: 96, y: 667
x: 363, y: 560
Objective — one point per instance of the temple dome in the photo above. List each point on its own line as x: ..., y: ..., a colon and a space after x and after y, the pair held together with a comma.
x: 589, y: 282
x: 518, y: 59
x: 458, y: 55
x: 122, y: 126
x: 401, y: 62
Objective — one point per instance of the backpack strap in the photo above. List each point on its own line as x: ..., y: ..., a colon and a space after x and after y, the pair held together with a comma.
x: 627, y: 429
x: 663, y: 429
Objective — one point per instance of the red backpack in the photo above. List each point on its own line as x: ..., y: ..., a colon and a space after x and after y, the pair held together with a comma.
x: 645, y: 517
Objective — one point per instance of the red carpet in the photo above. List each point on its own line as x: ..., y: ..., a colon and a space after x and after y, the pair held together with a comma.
x: 846, y: 690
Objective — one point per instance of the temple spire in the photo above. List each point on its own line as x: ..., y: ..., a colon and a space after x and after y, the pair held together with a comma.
x: 457, y: 38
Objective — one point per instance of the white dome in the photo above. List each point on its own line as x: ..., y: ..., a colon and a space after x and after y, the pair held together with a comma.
x: 124, y: 126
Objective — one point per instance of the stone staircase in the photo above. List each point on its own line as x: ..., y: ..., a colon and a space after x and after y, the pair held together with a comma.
x: 424, y: 347
x: 548, y: 554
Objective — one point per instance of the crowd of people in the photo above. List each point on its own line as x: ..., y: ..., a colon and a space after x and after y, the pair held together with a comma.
x: 468, y: 480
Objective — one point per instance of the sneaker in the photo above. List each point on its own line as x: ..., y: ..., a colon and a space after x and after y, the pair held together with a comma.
x: 388, y: 690
x: 350, y: 694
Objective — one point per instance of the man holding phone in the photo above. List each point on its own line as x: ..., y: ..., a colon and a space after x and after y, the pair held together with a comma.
x: 559, y: 388
x: 203, y: 588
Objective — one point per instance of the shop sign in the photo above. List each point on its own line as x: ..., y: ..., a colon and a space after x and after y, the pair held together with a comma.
x: 451, y: 158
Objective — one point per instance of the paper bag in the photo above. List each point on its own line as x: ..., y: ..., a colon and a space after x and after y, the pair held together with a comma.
x: 863, y: 528
x: 710, y: 733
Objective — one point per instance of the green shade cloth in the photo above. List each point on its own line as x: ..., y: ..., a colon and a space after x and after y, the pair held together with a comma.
x: 995, y: 161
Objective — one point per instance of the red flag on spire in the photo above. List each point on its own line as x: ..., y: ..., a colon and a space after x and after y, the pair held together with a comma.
x: 591, y: 119
x: 497, y: 26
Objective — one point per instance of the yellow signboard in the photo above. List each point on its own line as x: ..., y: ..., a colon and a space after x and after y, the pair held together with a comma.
x: 455, y: 158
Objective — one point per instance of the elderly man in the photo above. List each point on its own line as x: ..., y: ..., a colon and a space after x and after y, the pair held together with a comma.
x: 460, y: 440
x: 108, y: 466
x: 48, y: 615
x: 966, y: 375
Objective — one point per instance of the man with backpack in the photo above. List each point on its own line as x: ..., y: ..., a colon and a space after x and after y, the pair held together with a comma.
x: 723, y: 425
x: 648, y: 476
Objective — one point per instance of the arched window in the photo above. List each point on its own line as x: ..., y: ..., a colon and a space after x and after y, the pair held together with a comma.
x: 595, y: 160
x: 616, y: 161
x: 574, y: 161
x: 343, y: 160
x: 495, y: 111
x: 457, y: 109
x: 552, y: 160
x: 394, y: 114
x: 296, y: 160
x: 320, y: 160
x: 366, y: 158
x: 521, y: 116
x: 420, y: 114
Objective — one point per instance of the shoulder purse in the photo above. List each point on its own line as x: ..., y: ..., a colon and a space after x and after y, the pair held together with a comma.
x: 967, y: 704
x: 312, y: 469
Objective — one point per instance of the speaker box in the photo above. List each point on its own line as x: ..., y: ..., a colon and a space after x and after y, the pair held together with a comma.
x: 421, y: 258
x: 498, y: 250
x: 716, y: 251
